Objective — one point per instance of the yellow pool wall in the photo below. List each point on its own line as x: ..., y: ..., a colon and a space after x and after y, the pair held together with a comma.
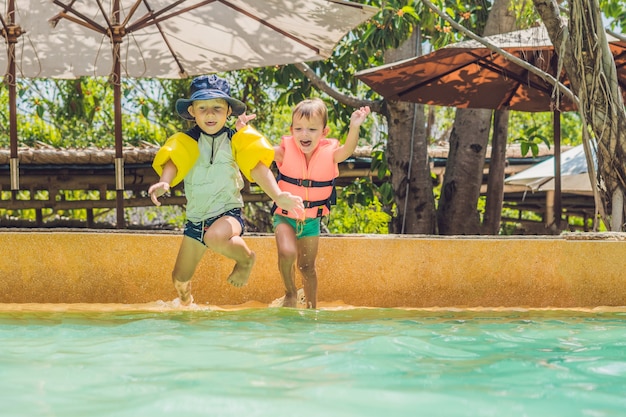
x: 358, y: 270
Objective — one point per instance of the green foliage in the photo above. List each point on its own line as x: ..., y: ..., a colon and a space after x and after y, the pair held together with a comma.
x: 361, y: 191
x: 149, y: 112
x: 615, y: 10
x: 529, y: 141
x: 357, y: 218
x: 379, y: 161
x: 16, y: 214
x: 536, y: 128
x: 143, y: 131
x: 364, y: 192
x: 470, y: 14
x: 80, y: 113
x: 525, y: 13
x: 514, y: 221
x: 38, y: 132
x: 68, y: 113
x: 276, y: 125
x: 399, y: 17
x: 170, y: 217
x: 509, y: 227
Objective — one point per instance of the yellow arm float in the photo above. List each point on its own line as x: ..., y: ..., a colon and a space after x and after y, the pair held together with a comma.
x: 249, y: 148
x: 182, y: 150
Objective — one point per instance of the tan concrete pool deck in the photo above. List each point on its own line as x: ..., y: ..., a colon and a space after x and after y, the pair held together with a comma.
x: 51, y: 266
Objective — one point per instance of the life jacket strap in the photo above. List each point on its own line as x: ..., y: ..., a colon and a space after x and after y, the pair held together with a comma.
x: 320, y: 204
x: 328, y: 202
x: 304, y: 183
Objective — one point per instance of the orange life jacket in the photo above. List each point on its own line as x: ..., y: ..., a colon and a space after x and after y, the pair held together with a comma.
x: 315, y: 183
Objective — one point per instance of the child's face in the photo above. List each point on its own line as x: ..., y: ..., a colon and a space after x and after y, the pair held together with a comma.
x: 210, y: 115
x: 307, y: 132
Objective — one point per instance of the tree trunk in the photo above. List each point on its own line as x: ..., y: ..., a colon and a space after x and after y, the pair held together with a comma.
x: 407, y: 156
x: 495, y: 182
x: 591, y: 71
x: 457, y: 212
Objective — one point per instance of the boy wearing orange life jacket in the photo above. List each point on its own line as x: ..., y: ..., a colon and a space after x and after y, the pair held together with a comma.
x: 307, y: 167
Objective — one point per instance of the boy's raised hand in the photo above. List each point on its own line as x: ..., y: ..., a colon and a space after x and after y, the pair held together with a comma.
x: 243, y: 119
x: 157, y: 190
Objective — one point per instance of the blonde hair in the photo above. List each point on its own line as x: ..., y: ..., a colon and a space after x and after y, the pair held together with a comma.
x: 309, y: 108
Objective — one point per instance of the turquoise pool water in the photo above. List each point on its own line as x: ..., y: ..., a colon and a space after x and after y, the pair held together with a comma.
x: 280, y: 362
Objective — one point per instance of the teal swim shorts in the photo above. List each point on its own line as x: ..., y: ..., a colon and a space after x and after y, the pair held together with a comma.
x: 310, y: 227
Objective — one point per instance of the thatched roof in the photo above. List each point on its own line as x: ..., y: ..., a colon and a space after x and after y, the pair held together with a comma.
x: 87, y: 156
x: 145, y: 155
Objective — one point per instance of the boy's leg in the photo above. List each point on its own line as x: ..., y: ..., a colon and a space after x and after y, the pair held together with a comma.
x: 189, y: 255
x: 287, y: 253
x: 224, y: 237
x: 307, y: 253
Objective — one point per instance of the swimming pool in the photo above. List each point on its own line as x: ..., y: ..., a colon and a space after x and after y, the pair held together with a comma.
x: 333, y: 362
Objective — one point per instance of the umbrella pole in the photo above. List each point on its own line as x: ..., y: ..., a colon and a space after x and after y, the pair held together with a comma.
x: 116, y: 80
x: 14, y: 161
x: 11, y: 34
x: 558, y: 205
x: 119, y: 156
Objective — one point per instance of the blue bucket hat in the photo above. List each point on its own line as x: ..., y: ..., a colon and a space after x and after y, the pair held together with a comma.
x: 208, y: 87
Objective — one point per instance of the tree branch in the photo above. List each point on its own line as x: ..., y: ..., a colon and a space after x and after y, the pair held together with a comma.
x: 375, y: 105
x: 616, y: 35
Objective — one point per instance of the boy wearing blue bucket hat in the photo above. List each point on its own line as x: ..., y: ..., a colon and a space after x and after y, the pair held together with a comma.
x: 210, y: 158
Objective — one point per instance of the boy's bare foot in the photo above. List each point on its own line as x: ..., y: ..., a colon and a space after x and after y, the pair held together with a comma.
x: 290, y: 301
x: 241, y: 272
x: 300, y: 300
x: 184, y: 292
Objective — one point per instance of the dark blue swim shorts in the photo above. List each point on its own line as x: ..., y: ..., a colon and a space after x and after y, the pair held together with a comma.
x: 196, y: 230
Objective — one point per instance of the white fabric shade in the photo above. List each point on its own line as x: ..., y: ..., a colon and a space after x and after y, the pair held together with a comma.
x: 540, y: 177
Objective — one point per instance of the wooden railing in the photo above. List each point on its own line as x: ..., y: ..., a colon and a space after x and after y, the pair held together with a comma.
x: 48, y: 177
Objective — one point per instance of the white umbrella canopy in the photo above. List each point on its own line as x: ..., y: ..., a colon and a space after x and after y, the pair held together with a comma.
x: 173, y: 39
x: 164, y: 39
x: 574, y: 176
